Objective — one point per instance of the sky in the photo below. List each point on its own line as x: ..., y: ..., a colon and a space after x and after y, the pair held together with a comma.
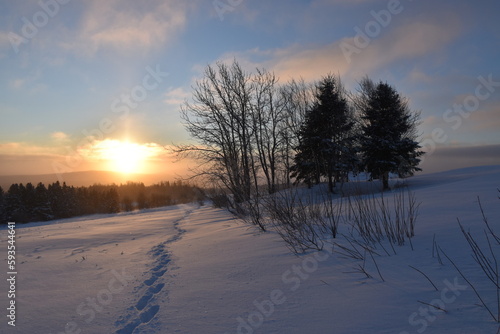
x: 92, y: 84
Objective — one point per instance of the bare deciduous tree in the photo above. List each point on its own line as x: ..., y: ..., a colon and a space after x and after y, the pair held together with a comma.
x: 267, y: 117
x: 241, y: 125
x: 297, y: 99
x: 219, y: 120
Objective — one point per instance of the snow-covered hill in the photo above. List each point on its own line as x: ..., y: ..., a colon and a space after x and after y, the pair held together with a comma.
x: 191, y: 269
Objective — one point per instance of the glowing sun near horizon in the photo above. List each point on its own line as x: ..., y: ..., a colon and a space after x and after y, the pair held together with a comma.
x: 125, y: 157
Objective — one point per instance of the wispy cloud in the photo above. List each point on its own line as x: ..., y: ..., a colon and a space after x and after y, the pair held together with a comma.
x: 127, y: 26
x: 59, y: 136
x: 31, y: 82
x: 176, y: 96
x: 411, y: 40
x: 419, y: 76
x: 416, y: 38
x: 22, y: 148
x: 486, y: 118
x: 293, y: 61
x: 17, y: 83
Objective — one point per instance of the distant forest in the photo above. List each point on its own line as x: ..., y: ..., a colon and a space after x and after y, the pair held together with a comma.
x: 29, y: 203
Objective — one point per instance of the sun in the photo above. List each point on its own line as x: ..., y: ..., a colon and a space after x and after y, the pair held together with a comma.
x: 127, y: 158
x: 124, y: 157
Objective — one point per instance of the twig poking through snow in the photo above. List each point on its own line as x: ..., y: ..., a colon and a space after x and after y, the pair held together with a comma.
x: 435, y: 306
x: 435, y: 287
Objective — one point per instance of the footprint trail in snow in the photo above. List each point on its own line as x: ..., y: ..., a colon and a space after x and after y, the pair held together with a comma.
x: 146, y: 307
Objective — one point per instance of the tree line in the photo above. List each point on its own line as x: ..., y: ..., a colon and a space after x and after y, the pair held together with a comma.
x: 28, y: 203
x: 253, y: 134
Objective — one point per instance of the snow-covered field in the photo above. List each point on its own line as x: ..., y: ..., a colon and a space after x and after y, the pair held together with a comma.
x: 191, y: 269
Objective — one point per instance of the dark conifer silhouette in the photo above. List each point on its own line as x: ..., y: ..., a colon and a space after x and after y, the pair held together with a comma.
x: 326, y: 140
x: 388, y: 144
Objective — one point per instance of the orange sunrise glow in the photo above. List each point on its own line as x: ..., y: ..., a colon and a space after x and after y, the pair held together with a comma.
x: 124, y: 157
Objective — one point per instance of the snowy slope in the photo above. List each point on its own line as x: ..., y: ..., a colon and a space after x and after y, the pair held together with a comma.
x: 190, y: 269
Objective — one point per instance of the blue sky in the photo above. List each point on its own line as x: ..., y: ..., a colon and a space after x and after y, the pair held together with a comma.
x: 66, y: 66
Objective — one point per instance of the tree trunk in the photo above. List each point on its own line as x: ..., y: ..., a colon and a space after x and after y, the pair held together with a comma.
x: 331, y: 184
x: 385, y: 180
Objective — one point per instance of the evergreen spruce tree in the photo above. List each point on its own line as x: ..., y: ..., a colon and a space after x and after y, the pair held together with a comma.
x: 127, y: 204
x: 83, y: 202
x: 113, y: 201
x: 307, y: 162
x: 326, y: 139
x: 56, y: 199
x: 142, y: 201
x: 14, y: 206
x: 42, y: 210
x: 388, y: 144
x: 29, y: 201
x: 69, y: 203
